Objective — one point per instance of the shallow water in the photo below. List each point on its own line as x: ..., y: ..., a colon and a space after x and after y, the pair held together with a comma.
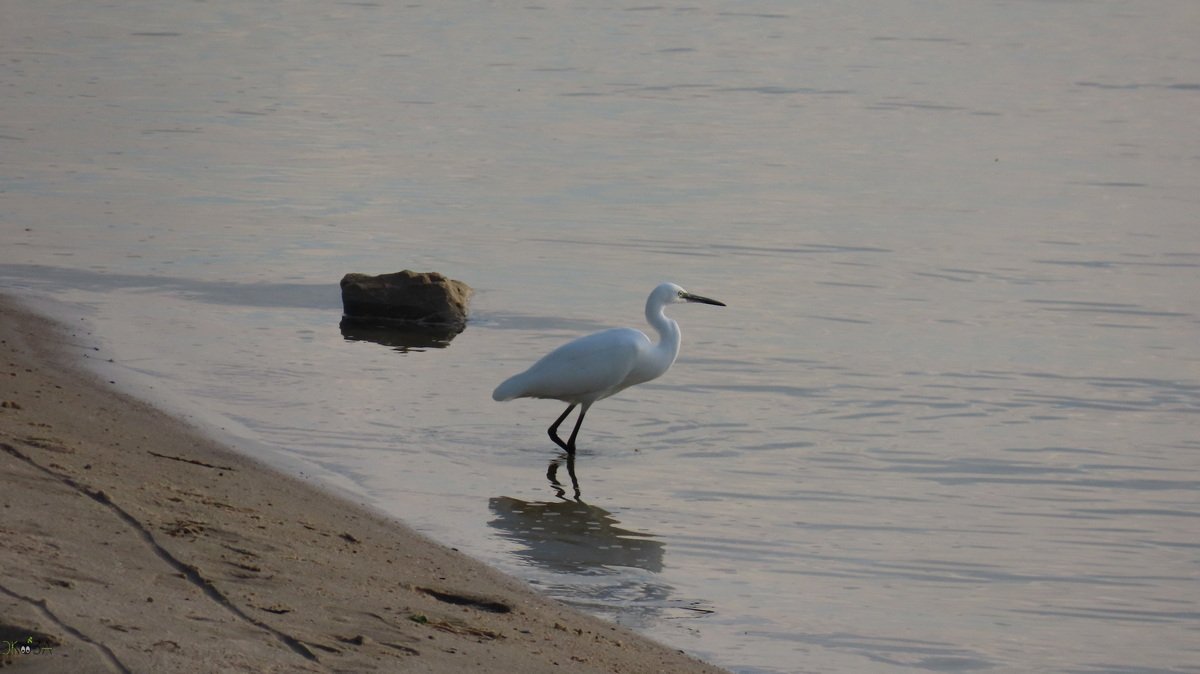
x: 947, y: 422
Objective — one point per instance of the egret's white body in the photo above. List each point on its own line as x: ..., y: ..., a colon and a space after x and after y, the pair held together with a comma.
x: 599, y: 365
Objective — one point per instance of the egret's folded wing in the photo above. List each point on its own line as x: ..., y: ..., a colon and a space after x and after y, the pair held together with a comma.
x: 589, y: 367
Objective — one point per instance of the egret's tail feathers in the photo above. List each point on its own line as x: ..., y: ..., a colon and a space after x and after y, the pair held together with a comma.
x: 512, y: 387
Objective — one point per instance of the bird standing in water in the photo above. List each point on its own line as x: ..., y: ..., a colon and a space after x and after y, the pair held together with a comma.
x: 602, y: 364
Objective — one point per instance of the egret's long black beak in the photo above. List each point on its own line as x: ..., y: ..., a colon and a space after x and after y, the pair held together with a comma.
x: 702, y: 300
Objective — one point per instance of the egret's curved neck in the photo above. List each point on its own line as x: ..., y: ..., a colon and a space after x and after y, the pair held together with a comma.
x: 668, y: 335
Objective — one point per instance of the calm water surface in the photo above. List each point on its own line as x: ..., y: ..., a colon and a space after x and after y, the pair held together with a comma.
x: 948, y: 421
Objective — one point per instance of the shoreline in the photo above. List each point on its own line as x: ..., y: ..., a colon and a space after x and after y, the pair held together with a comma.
x: 134, y: 543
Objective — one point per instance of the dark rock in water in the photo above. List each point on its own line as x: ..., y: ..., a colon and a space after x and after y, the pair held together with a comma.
x: 405, y: 297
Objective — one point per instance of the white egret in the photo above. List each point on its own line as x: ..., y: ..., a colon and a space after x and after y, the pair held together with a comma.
x: 599, y: 365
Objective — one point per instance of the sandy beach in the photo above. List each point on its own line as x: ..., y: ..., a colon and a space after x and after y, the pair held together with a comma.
x: 132, y: 543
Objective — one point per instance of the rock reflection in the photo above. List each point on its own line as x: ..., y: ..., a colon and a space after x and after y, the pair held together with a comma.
x: 572, y: 536
x: 401, y: 337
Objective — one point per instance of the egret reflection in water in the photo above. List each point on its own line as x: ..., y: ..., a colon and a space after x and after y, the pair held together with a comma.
x: 572, y: 536
x: 593, y: 564
x: 552, y: 475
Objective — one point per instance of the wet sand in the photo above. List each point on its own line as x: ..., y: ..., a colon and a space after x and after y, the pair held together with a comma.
x: 132, y: 543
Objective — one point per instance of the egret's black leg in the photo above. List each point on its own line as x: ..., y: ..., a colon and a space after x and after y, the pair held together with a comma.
x: 578, y: 422
x: 554, y: 432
